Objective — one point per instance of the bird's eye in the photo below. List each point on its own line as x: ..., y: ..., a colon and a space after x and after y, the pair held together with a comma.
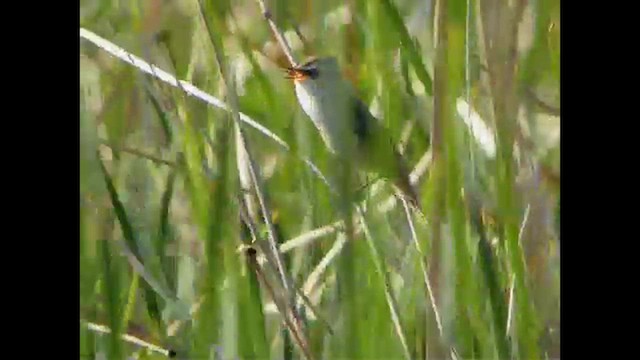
x: 312, y: 72
x: 310, y: 68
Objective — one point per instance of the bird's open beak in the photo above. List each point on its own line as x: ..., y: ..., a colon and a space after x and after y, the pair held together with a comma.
x: 296, y: 74
x: 300, y: 73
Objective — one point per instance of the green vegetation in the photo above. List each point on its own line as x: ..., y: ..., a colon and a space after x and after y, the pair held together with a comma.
x: 183, y: 202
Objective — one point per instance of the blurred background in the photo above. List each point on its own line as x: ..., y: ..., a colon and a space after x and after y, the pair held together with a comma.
x: 176, y: 257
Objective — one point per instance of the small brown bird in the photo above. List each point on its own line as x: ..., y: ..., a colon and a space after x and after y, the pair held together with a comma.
x: 346, y: 125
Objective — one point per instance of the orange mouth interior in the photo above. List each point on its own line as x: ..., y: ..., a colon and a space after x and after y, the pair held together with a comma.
x: 296, y: 74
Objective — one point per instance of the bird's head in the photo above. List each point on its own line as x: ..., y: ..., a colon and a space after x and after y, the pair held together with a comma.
x: 322, y: 95
x: 316, y: 70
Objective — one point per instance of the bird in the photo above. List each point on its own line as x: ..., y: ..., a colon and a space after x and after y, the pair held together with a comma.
x: 346, y: 125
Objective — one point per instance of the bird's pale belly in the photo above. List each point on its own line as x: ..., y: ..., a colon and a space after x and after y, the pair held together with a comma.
x: 328, y: 119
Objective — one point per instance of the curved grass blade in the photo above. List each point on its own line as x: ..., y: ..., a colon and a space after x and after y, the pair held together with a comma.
x: 409, y: 45
x: 150, y: 297
x: 167, y: 264
x: 162, y: 116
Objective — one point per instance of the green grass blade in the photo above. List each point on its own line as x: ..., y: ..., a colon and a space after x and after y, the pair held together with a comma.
x: 165, y: 234
x: 489, y: 268
x: 121, y: 214
x: 150, y: 296
x: 112, y: 291
x: 363, y: 292
x: 164, y: 118
x: 386, y: 283
x: 410, y: 45
x: 131, y: 301
x: 251, y: 317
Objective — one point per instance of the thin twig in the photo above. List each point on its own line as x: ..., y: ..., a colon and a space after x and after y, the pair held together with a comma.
x: 137, y: 152
x: 303, y: 298
x: 249, y: 221
x: 280, y: 303
x: 243, y: 164
x: 276, y: 32
x: 266, y: 214
x: 246, y: 250
x: 523, y: 225
x: 316, y: 312
x: 414, y: 178
x: 423, y: 267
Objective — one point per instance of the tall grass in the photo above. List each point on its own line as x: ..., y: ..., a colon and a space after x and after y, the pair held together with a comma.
x: 208, y: 229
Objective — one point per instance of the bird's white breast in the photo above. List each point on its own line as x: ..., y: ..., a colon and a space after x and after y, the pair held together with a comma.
x: 328, y: 111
